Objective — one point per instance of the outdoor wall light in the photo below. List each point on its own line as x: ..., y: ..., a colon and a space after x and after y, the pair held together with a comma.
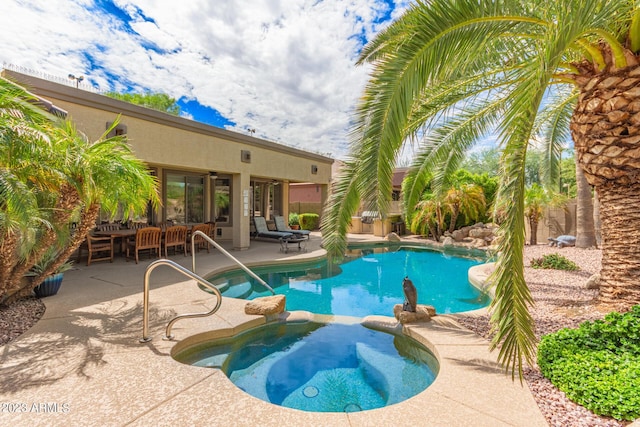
x: 245, y: 156
x: 314, y: 169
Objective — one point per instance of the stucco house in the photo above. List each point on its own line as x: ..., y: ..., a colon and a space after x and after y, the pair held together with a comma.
x: 205, y: 173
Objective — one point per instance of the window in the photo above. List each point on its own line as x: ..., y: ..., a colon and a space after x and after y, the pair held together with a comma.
x: 184, y: 198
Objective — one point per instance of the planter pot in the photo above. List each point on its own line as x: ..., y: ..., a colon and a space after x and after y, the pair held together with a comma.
x: 295, y: 227
x: 50, y: 286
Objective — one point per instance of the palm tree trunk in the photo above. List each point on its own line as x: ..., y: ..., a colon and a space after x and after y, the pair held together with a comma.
x: 454, y: 219
x: 597, y: 225
x: 620, y: 216
x: 585, y: 228
x: 533, y: 225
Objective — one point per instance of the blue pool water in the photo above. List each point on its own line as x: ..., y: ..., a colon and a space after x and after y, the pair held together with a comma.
x: 369, y: 284
x: 320, y: 367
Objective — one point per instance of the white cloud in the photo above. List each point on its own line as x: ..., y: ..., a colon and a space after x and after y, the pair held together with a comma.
x: 283, y: 67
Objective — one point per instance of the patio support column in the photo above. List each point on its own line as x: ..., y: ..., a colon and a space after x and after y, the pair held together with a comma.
x: 241, y: 213
x: 285, y: 201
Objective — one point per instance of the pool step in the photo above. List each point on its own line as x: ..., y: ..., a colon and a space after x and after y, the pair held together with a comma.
x: 240, y: 291
x: 395, y: 388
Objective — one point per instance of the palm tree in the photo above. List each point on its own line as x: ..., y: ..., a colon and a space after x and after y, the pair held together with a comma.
x: 585, y: 221
x: 449, y: 72
x: 428, y: 218
x: 465, y: 199
x: 536, y: 200
x: 50, y: 177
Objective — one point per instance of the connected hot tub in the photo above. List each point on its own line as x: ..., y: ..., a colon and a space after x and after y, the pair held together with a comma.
x: 314, y: 366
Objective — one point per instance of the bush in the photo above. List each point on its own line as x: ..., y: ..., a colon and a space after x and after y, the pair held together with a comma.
x: 598, y: 364
x: 555, y: 262
x: 293, y: 219
x: 309, y: 221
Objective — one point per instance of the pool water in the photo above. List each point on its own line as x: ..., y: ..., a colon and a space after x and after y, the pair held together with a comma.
x: 369, y: 284
x: 311, y: 366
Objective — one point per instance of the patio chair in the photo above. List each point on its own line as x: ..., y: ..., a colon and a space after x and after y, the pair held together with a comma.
x: 138, y: 225
x: 146, y: 238
x: 262, y: 231
x: 108, y: 226
x: 281, y: 225
x: 212, y: 230
x: 200, y: 242
x: 175, y: 237
x: 99, y: 248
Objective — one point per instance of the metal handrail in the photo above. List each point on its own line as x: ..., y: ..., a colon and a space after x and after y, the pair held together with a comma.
x: 145, y: 302
x: 227, y: 254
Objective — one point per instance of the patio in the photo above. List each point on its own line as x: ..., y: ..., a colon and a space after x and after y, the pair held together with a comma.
x: 82, y: 364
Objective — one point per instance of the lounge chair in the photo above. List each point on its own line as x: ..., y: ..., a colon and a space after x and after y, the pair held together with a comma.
x: 262, y: 231
x: 281, y: 225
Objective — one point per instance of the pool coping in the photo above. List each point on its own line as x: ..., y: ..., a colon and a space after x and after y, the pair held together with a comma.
x: 82, y: 364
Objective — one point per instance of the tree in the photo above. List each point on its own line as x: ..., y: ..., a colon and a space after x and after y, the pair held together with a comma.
x: 585, y: 223
x: 449, y: 72
x: 428, y: 218
x: 536, y: 200
x: 50, y: 177
x: 467, y: 199
x: 156, y: 101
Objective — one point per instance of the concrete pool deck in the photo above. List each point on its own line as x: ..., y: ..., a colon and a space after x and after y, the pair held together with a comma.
x: 82, y: 364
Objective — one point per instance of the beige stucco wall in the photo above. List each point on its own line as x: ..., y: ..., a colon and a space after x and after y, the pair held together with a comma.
x: 166, y: 142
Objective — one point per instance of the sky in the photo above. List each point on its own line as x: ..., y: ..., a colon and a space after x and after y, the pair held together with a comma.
x: 282, y: 70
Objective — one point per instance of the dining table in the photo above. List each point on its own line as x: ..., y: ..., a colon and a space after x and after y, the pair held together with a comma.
x: 121, y: 234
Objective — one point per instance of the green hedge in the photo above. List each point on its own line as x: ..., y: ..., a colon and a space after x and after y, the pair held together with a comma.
x: 309, y: 221
x: 598, y: 364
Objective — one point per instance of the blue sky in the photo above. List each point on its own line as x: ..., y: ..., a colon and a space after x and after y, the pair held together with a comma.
x: 285, y: 68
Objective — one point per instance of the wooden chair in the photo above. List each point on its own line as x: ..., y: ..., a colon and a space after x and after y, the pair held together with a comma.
x: 200, y: 242
x: 138, y: 225
x: 111, y: 226
x: 212, y: 229
x: 99, y: 248
x: 146, y: 238
x: 174, y: 237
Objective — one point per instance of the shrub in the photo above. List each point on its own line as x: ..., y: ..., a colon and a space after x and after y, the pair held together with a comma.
x: 598, y: 364
x: 309, y: 221
x: 555, y: 262
x: 294, y: 219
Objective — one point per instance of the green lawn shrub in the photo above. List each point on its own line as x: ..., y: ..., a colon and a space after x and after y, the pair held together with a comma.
x: 555, y: 262
x: 309, y: 221
x: 598, y: 364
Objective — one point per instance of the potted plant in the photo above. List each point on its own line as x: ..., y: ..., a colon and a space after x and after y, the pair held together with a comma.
x: 51, y: 283
x: 294, y: 221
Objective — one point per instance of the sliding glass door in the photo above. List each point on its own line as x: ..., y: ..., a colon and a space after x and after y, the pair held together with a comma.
x: 184, y: 198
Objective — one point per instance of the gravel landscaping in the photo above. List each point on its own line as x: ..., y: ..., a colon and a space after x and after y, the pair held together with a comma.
x: 561, y: 301
x: 19, y: 317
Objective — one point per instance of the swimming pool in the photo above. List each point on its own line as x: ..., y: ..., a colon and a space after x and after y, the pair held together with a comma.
x: 323, y: 367
x: 367, y: 282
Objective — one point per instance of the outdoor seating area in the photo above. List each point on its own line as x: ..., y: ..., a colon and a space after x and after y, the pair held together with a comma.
x: 111, y: 239
x: 282, y: 226
x: 263, y: 232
